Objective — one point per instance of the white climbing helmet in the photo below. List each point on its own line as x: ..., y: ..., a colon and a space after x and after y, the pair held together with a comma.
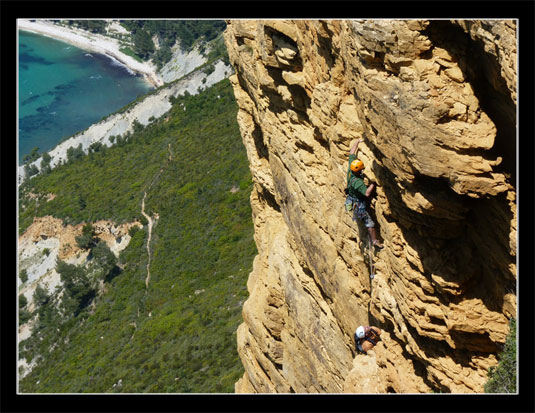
x: 360, y: 332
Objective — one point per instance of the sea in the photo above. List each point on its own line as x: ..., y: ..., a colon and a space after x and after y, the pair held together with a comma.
x: 64, y: 90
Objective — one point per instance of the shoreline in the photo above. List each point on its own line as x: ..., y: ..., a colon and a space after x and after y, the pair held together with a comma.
x: 91, y: 42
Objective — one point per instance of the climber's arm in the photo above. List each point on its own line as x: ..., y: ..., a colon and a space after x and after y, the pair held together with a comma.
x: 369, y: 190
x: 354, y: 148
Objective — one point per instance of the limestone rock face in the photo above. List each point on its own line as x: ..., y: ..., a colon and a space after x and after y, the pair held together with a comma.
x: 439, y: 140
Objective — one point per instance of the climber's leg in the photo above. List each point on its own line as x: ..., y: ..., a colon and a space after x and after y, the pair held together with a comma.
x: 368, y: 223
x: 371, y: 229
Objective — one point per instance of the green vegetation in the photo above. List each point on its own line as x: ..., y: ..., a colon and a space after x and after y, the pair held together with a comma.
x: 143, y: 44
x: 22, y: 301
x: 24, y: 314
x: 187, y: 32
x: 179, y: 335
x: 87, y: 240
x: 23, y: 276
x: 93, y: 26
x: 32, y: 156
x: 78, y: 287
x: 31, y: 170
x: 129, y: 52
x: 139, y: 43
x: 502, y: 378
x: 45, y: 162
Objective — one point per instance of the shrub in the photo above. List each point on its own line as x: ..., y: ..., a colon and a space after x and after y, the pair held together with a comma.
x: 84, y: 241
x: 137, y: 126
x: 45, y: 161
x: 22, y: 301
x: 31, y: 170
x: 77, y: 286
x: 87, y: 239
x: 23, y: 275
x: 40, y: 296
x: 502, y: 378
x: 104, y: 258
x: 32, y: 156
x: 95, y: 147
x: 132, y: 231
x: 74, y: 153
x: 24, y: 316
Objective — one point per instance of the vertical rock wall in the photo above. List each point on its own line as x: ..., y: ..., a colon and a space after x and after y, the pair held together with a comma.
x: 435, y: 102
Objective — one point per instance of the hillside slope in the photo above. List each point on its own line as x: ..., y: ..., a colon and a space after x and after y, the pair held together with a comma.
x: 114, y: 328
x: 435, y: 102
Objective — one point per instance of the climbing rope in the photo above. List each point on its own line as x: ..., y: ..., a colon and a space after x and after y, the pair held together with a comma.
x: 370, y: 257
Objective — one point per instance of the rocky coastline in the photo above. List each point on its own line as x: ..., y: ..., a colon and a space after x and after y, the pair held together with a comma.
x: 153, y: 106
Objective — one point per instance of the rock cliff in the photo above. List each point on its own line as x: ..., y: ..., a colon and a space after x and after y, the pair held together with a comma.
x: 435, y: 105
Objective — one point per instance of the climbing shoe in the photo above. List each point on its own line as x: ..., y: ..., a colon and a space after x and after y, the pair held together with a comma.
x: 377, y: 244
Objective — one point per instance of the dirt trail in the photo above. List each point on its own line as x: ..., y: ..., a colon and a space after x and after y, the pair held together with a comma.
x: 148, y: 241
x: 148, y: 217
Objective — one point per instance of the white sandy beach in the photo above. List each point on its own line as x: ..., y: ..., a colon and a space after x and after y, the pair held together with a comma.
x: 91, y: 42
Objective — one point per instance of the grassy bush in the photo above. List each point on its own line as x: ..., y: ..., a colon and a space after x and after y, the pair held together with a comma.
x: 23, y: 274
x: 502, y: 378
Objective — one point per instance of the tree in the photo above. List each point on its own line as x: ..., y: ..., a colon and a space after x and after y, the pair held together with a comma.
x: 24, y: 316
x: 502, y: 378
x: 45, y: 161
x: 81, y: 202
x: 87, y: 240
x: 40, y: 296
x: 95, y: 146
x: 22, y: 301
x: 137, y: 126
x: 74, y: 153
x: 31, y: 170
x: 77, y: 286
x: 162, y: 56
x: 96, y: 26
x: 104, y: 258
x: 23, y: 275
x: 32, y: 156
x: 143, y: 44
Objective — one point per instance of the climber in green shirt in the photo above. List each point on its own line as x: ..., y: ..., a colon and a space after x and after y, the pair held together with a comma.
x: 358, y: 193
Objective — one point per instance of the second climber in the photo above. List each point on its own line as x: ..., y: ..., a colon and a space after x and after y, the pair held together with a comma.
x: 366, y: 337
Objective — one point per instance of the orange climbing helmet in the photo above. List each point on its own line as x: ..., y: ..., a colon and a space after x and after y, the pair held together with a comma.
x: 357, y: 165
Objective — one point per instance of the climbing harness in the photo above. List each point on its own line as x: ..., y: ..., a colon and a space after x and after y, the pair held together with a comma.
x: 350, y: 203
x: 358, y: 342
x: 370, y: 257
x: 353, y: 203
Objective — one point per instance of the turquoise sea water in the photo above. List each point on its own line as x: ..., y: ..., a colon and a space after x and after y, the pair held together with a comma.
x: 64, y: 89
